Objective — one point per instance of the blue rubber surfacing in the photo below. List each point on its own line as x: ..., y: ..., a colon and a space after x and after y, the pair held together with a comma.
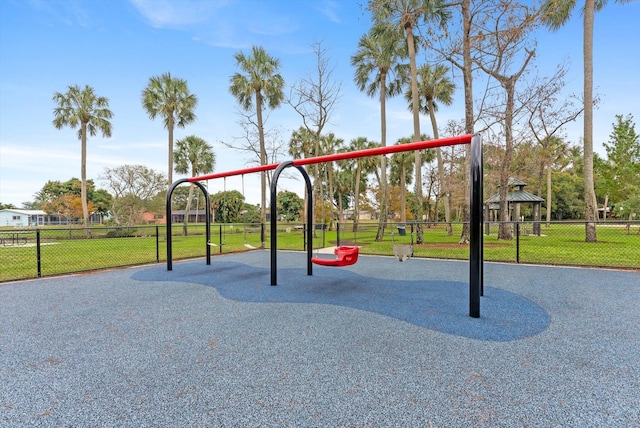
x: 388, y: 288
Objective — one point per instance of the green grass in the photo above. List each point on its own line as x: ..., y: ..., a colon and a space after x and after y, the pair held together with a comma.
x: 65, y: 250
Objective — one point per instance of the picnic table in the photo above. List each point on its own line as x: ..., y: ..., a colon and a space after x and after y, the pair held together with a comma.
x: 13, y: 237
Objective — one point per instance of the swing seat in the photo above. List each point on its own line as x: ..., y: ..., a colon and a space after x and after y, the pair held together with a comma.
x: 402, y: 251
x: 345, y: 256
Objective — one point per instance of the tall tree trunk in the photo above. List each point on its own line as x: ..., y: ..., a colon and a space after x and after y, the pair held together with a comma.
x: 589, y: 193
x: 83, y: 177
x: 382, y: 221
x: 415, y: 107
x: 468, y: 113
x: 549, y: 196
x: 504, y: 230
x: 170, y: 126
x: 444, y: 187
x: 403, y: 195
x: 356, y: 200
x: 187, y: 209
x: 330, y: 196
x: 263, y: 161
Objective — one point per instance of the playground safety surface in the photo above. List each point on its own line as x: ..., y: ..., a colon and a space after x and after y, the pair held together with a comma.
x: 376, y: 344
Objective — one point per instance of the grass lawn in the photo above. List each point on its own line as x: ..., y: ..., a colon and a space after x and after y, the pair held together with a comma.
x: 64, y: 250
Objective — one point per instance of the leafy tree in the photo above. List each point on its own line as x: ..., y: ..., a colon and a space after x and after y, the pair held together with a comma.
x: 46, y: 198
x: 193, y: 156
x: 343, y: 190
x: 169, y: 98
x: 330, y: 144
x: 436, y: 88
x: 629, y: 208
x: 290, y: 205
x: 249, y: 214
x: 556, y: 13
x: 568, y: 201
x: 82, y: 107
x: 6, y: 206
x: 67, y: 205
x: 259, y: 82
x: 227, y: 206
x: 135, y: 189
x: 101, y: 199
x: 401, y: 162
x: 408, y: 15
x: 379, y: 70
x: 620, y: 172
x: 362, y: 166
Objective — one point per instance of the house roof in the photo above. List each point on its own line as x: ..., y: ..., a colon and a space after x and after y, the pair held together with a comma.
x: 25, y: 212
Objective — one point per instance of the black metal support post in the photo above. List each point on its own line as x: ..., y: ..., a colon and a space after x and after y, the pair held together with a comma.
x: 38, y: 254
x: 207, y: 217
x: 475, y: 228
x: 274, y: 226
x: 517, y: 242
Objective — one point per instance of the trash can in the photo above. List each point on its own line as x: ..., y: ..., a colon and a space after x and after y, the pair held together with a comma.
x: 402, y: 230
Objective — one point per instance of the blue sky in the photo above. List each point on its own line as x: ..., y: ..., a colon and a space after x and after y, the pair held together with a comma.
x: 116, y: 46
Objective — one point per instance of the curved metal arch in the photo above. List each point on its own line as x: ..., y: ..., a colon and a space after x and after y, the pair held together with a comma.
x: 207, y: 219
x: 273, y: 211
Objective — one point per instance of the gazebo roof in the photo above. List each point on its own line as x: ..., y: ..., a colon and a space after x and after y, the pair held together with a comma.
x: 515, y: 182
x: 519, y: 196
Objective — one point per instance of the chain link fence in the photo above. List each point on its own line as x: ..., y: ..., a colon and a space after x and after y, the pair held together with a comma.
x: 38, y: 252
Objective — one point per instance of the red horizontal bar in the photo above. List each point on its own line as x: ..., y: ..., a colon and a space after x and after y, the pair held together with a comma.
x: 249, y: 170
x: 419, y: 145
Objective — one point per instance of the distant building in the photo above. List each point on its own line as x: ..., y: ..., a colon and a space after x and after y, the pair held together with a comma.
x: 22, y: 218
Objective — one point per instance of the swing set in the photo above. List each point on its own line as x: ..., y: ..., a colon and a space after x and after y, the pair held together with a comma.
x: 349, y: 255
x: 222, y: 233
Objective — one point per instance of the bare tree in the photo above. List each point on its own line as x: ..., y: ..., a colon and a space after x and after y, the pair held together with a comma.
x: 314, y: 99
x: 548, y: 112
x: 135, y: 189
x: 504, y: 43
x: 249, y: 140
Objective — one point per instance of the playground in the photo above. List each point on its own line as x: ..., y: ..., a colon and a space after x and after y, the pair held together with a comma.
x: 376, y: 343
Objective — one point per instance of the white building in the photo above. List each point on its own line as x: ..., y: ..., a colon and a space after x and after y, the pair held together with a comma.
x: 21, y: 218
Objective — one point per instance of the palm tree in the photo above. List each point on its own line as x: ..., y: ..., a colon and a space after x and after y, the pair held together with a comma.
x: 401, y: 162
x: 82, y: 107
x: 330, y: 144
x: 195, y: 156
x: 260, y: 83
x: 169, y: 98
x: 302, y: 145
x: 556, y: 13
x: 378, y: 70
x: 435, y: 88
x: 363, y: 166
x: 407, y: 15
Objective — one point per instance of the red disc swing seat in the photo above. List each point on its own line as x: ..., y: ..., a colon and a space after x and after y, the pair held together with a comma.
x: 345, y: 256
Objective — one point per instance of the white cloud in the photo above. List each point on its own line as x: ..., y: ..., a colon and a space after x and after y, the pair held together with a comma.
x: 177, y: 14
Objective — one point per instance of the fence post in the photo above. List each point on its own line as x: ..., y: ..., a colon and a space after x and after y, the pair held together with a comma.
x: 517, y: 242
x: 38, y: 254
x: 157, y: 244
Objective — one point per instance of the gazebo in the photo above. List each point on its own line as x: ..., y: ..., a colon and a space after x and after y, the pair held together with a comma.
x: 516, y: 196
